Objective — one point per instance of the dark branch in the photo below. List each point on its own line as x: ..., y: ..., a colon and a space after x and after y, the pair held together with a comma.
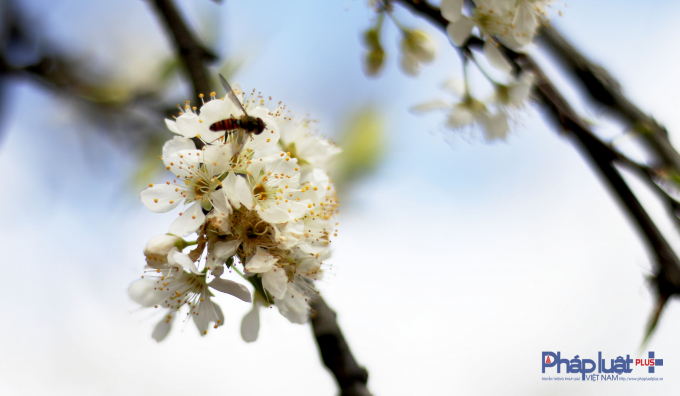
x: 193, y: 55
x: 26, y: 56
x: 335, y: 352
x: 667, y: 276
x: 668, y: 272
x: 604, y: 89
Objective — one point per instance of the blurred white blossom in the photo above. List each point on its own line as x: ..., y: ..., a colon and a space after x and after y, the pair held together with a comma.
x: 469, y: 111
x: 416, y: 48
x: 513, y: 22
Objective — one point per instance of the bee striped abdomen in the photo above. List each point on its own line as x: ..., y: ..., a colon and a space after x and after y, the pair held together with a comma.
x: 225, y: 125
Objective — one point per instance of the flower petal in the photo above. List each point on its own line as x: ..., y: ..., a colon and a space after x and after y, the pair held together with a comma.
x: 452, y: 9
x: 144, y: 293
x: 430, y: 106
x: 222, y: 250
x: 275, y: 281
x: 218, y: 157
x: 455, y: 86
x: 162, y: 329
x: 230, y: 287
x: 219, y: 200
x: 218, y: 110
x: 250, y: 325
x: 189, y: 221
x: 295, y: 309
x: 172, y: 126
x: 260, y: 262
x: 237, y: 190
x: 459, y: 117
x: 161, y: 198
x: 243, y: 193
x: 525, y: 23
x: 205, y: 313
x: 520, y: 92
x: 496, y: 59
x: 460, y: 30
x: 189, y: 125
x: 409, y: 64
x: 176, y: 145
x: 274, y: 214
x: 495, y: 126
x: 176, y: 258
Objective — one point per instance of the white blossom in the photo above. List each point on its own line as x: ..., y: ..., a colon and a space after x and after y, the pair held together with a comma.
x: 263, y: 202
x: 469, y: 112
x: 274, y: 277
x: 513, y: 22
x: 180, y: 284
x: 515, y: 94
x: 299, y: 141
x: 196, y: 184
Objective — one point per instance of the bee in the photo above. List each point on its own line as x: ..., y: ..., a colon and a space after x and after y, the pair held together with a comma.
x: 245, y: 124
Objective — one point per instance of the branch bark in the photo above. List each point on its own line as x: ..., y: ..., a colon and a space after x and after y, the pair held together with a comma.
x: 668, y: 265
x: 194, y: 56
x: 335, y: 352
x: 604, y: 89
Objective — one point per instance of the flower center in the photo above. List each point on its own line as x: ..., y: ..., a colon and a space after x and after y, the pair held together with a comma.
x: 202, y: 187
x: 259, y: 192
x: 202, y: 184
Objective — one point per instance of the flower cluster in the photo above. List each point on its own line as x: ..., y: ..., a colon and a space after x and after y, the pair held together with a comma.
x: 260, y: 200
x: 513, y: 22
x: 493, y: 116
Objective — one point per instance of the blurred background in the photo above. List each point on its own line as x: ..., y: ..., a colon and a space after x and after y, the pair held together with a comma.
x: 457, y: 262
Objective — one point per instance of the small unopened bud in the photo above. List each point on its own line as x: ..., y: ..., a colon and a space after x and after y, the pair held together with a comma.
x: 374, y: 62
x: 156, y: 251
x: 419, y: 45
x: 372, y: 38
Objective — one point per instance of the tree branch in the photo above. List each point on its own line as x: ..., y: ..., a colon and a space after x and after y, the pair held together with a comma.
x: 667, y: 276
x: 668, y: 264
x: 604, y: 89
x: 193, y: 55
x: 351, y: 378
x: 64, y: 75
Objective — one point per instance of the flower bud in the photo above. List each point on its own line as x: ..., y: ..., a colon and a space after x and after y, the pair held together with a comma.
x: 419, y: 45
x: 156, y: 251
x: 372, y: 38
x: 374, y: 62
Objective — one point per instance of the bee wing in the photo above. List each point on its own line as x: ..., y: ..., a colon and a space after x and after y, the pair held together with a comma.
x: 240, y: 140
x: 231, y: 95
